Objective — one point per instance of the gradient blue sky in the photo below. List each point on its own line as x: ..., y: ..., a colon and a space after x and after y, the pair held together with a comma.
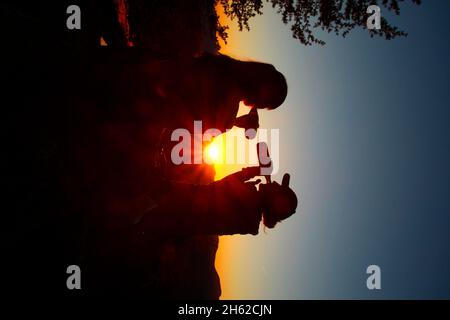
x: 365, y: 135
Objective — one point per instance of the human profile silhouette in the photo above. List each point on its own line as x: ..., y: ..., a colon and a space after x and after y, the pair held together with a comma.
x: 230, y: 81
x: 173, y: 93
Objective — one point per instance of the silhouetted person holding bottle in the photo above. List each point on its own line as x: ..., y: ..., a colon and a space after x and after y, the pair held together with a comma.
x: 175, y: 93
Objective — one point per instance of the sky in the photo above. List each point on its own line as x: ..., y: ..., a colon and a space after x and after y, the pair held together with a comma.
x: 365, y: 135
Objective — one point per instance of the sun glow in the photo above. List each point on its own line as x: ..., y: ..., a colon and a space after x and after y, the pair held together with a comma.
x: 213, y: 153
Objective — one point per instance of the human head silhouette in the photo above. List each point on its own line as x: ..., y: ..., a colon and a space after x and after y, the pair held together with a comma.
x: 263, y: 86
x: 279, y: 201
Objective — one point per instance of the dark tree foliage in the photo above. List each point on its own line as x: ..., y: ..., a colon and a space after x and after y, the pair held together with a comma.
x: 304, y: 16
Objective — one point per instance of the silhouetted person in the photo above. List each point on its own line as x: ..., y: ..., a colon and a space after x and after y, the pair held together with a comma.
x: 215, y: 86
x: 232, y: 205
x: 153, y: 256
x: 175, y: 93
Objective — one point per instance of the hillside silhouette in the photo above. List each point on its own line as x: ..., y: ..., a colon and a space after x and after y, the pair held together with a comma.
x: 87, y: 175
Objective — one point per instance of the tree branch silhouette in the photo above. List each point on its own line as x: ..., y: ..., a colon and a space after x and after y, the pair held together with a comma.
x: 307, y: 16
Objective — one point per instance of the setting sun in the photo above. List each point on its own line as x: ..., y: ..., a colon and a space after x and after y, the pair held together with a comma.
x: 212, y: 152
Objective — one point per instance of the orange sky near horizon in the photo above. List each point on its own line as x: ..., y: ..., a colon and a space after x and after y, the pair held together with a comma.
x: 228, y: 246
